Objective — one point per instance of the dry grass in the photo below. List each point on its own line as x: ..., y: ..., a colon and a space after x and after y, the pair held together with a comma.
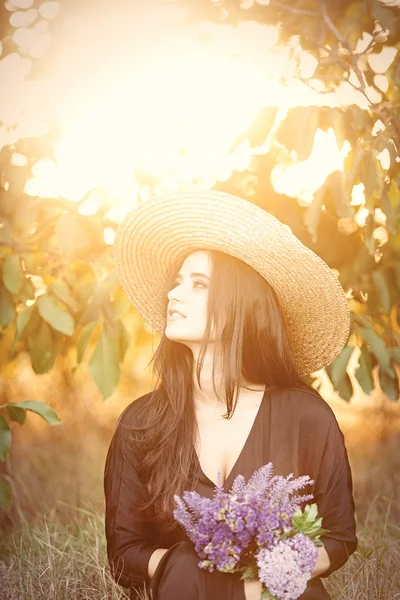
x: 60, y: 552
x: 49, y: 559
x: 52, y: 545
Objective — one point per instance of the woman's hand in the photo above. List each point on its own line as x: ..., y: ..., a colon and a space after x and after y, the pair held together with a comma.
x: 252, y: 589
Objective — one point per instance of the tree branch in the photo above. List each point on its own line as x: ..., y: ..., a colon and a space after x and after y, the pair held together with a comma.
x: 353, y: 58
x: 370, y: 45
x: 295, y: 11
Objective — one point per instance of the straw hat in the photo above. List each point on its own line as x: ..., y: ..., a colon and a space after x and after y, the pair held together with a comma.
x: 162, y: 230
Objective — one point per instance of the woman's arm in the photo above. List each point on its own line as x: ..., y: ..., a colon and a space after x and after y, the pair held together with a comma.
x: 252, y: 589
x: 130, y: 534
x: 334, y: 495
x: 154, y: 561
x: 323, y: 563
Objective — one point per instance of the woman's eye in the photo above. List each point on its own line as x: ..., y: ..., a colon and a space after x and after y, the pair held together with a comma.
x: 203, y: 285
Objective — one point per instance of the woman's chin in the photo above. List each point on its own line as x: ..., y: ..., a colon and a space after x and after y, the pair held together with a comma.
x: 173, y: 332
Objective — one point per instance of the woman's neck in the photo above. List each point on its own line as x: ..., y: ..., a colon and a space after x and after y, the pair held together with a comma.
x: 206, y: 396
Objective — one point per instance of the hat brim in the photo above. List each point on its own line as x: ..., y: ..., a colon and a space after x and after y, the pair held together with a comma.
x: 159, y: 232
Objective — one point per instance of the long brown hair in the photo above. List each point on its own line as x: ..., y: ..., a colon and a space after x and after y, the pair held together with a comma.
x: 253, y: 344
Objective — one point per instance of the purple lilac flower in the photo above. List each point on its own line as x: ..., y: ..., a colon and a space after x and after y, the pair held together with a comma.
x: 219, y: 529
x: 286, y: 567
x: 229, y: 528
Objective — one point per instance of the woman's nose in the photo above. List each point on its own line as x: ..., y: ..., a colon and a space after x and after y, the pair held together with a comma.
x: 174, y: 295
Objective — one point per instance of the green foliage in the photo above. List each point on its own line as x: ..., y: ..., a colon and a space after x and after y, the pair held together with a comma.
x: 363, y: 372
x: 44, y: 347
x: 54, y: 297
x: 378, y: 348
x: 7, y: 310
x: 338, y: 375
x: 389, y: 384
x: 78, y: 308
x: 5, y: 497
x: 5, y: 438
x: 16, y: 411
x: 366, y: 255
x: 56, y: 315
x: 104, y: 363
x: 298, y: 130
x: 13, y: 275
x: 84, y: 339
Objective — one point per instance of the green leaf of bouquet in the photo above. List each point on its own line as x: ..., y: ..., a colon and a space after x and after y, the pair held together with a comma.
x: 5, y: 497
x: 266, y: 594
x: 313, y: 529
x: 298, y: 524
x: 319, y: 521
x: 299, y: 519
x: 323, y: 531
x: 319, y: 543
x: 311, y: 512
x: 40, y: 408
x: 250, y: 572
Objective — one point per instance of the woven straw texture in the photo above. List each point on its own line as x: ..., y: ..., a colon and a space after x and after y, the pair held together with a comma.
x: 160, y: 231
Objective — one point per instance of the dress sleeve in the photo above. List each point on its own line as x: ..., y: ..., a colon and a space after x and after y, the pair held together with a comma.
x: 131, y: 537
x: 333, y: 492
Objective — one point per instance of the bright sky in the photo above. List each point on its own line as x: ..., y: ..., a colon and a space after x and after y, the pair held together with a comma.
x: 134, y: 91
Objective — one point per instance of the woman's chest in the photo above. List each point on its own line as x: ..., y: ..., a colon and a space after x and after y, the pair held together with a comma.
x: 220, y: 442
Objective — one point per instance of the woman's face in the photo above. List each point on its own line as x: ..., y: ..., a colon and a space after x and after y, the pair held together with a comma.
x: 189, y: 296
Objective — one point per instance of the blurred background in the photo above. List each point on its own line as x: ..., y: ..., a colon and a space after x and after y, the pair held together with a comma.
x: 292, y: 105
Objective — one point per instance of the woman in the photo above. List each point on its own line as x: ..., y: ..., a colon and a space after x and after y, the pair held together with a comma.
x: 246, y: 311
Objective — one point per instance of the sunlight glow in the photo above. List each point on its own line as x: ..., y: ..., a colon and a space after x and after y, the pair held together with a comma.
x: 357, y: 195
x: 171, y: 117
x: 304, y: 178
x: 169, y: 106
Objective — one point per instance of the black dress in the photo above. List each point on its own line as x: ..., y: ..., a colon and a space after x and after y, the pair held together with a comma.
x: 297, y: 431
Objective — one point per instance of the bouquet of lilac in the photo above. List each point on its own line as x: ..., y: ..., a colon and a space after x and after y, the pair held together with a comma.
x: 258, y: 529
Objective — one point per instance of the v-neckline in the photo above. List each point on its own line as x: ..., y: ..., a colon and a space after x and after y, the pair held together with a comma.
x: 231, y: 472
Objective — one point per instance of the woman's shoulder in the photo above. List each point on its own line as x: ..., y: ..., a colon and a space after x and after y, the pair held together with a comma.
x: 305, y: 404
x: 131, y: 411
